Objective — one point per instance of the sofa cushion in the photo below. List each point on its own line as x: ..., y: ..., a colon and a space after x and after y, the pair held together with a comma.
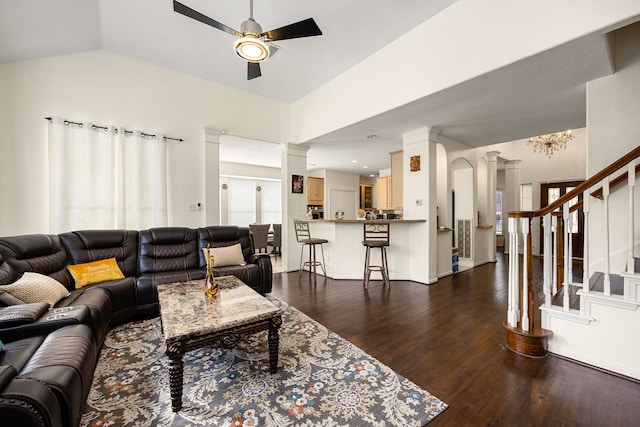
x: 228, y: 255
x: 35, y: 287
x: 90, y: 273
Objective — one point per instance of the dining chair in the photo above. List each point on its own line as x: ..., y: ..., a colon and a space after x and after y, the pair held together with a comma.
x: 260, y: 235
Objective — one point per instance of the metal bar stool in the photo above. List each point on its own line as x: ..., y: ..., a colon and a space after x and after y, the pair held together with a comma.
x: 304, y: 236
x: 376, y: 236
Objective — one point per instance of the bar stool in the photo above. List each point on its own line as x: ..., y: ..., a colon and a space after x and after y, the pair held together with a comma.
x: 304, y: 236
x: 376, y: 236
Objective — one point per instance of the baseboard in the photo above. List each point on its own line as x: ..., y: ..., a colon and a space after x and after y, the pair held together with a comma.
x: 597, y: 368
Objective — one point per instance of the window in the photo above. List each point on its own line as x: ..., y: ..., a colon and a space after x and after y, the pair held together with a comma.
x: 526, y: 197
x: 271, y: 202
x: 105, y: 177
x: 241, y: 202
x: 250, y: 200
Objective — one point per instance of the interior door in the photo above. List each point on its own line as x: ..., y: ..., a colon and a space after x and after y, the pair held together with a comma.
x: 552, y: 192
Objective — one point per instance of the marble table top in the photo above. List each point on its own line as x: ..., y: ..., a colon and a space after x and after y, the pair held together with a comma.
x: 186, y: 312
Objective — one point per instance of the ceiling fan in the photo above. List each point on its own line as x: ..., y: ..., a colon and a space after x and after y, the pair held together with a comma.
x: 252, y: 44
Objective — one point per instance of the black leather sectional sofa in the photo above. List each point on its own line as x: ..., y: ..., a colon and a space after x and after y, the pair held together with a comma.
x: 50, y: 353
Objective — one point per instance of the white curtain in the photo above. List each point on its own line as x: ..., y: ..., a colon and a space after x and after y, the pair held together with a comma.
x: 105, y: 178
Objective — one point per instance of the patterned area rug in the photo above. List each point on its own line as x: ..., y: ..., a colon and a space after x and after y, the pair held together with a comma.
x: 322, y: 380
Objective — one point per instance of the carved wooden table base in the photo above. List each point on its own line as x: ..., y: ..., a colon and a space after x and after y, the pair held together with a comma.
x: 227, y: 339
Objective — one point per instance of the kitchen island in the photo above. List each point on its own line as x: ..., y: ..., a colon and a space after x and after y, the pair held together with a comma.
x: 344, y: 254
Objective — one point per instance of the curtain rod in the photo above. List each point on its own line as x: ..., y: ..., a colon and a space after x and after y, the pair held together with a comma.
x: 127, y: 132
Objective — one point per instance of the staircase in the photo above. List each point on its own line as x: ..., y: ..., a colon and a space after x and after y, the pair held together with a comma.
x: 593, y: 320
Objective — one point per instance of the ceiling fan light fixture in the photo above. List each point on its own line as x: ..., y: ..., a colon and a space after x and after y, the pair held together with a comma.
x: 251, y: 48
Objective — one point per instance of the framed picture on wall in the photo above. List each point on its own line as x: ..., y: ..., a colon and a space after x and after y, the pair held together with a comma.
x: 297, y: 182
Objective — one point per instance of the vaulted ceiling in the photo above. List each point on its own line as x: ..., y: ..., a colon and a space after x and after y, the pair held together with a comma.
x: 543, y: 93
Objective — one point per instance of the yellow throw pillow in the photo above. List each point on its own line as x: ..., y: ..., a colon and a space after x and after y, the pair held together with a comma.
x: 95, y: 272
x: 228, y: 255
x: 36, y: 287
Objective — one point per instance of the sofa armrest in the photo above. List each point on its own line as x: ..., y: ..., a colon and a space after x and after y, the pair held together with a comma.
x: 21, y: 314
x: 7, y: 373
x: 26, y: 402
x: 48, y: 322
x: 264, y: 262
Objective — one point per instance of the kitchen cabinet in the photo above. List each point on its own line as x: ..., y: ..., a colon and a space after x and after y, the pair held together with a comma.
x: 396, y: 179
x: 384, y: 192
x: 315, y: 191
x: 366, y: 196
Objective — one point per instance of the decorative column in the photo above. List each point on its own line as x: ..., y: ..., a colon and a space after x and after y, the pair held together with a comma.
x: 294, y: 162
x: 211, y: 138
x: 511, y: 194
x: 492, y: 180
x: 420, y: 199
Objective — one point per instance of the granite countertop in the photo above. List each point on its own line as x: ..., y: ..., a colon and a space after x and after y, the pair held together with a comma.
x: 186, y: 311
x: 369, y: 221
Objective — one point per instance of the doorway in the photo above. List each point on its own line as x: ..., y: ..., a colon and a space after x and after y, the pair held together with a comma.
x: 553, y: 191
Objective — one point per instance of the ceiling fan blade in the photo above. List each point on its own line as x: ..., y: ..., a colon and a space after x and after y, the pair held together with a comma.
x: 253, y: 70
x: 306, y: 28
x: 193, y: 14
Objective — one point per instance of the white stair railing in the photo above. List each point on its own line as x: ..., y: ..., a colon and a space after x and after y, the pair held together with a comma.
x: 519, y: 312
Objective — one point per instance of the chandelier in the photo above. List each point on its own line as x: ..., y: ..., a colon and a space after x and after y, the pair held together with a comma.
x: 550, y: 143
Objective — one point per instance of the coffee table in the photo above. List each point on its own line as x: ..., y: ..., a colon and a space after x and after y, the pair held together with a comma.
x: 191, y: 321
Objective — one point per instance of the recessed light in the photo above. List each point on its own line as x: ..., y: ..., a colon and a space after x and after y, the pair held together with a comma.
x: 365, y: 167
x: 354, y: 161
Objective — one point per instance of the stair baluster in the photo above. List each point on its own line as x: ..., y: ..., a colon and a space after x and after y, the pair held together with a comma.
x: 586, y: 201
x: 631, y: 180
x: 566, y: 283
x: 513, y: 310
x: 554, y: 230
x: 525, y: 274
x: 547, y: 261
x: 607, y: 253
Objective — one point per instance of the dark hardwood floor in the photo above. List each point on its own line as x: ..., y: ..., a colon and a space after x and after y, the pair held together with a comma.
x: 448, y: 338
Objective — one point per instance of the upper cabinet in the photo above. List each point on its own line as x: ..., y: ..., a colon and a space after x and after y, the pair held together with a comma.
x: 396, y: 179
x: 366, y: 196
x: 384, y: 192
x: 315, y: 191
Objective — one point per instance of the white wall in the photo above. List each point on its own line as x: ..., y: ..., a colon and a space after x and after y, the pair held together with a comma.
x: 106, y: 88
x: 613, y: 113
x: 250, y: 171
x: 339, y: 189
x: 502, y: 35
